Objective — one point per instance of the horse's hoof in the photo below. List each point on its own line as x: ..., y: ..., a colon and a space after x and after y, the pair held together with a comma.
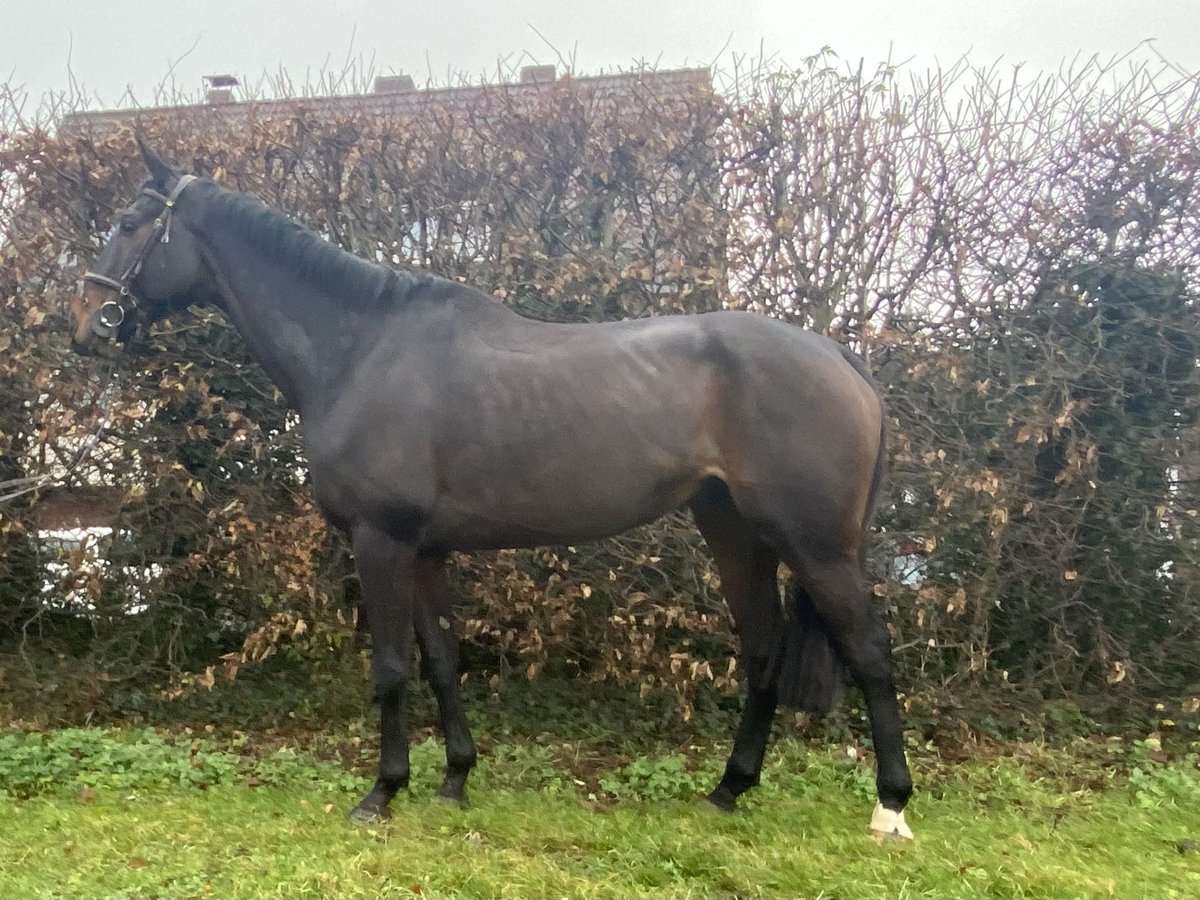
x: 449, y: 799
x: 722, y: 800
x: 887, y: 823
x: 369, y: 815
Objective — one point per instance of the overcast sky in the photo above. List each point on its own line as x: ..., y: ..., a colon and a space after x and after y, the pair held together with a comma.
x: 141, y: 44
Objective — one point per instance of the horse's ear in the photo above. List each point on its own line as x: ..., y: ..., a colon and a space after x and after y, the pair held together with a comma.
x: 160, y: 170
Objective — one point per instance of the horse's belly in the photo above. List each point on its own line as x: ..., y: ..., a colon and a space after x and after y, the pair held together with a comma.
x: 558, y: 511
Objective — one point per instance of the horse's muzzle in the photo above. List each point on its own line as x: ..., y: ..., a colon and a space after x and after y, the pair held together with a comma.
x: 85, y: 345
x: 89, y: 335
x: 108, y: 325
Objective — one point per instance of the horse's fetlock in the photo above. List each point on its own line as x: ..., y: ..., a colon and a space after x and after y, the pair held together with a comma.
x: 393, y: 778
x: 461, y: 760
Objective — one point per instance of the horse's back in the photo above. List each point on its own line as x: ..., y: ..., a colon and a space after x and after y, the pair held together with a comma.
x: 781, y: 414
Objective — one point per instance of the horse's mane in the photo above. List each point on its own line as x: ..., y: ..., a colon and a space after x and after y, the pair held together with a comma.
x: 318, y: 262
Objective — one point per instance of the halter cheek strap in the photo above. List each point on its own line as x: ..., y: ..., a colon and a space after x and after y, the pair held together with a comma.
x: 112, y: 312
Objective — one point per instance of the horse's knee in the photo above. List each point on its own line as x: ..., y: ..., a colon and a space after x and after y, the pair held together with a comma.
x: 389, y: 674
x: 439, y: 661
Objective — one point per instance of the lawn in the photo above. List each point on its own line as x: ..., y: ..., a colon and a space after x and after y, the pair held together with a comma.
x: 137, y: 812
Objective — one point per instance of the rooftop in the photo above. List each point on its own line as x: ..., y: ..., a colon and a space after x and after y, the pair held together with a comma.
x: 396, y: 96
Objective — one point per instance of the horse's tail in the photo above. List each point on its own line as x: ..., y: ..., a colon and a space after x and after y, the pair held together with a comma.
x: 811, y: 671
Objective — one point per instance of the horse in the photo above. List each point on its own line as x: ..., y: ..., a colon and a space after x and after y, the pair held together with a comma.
x: 436, y: 419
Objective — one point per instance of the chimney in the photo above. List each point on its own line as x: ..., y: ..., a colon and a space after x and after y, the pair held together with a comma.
x: 220, y: 88
x: 394, y: 84
x: 537, y: 75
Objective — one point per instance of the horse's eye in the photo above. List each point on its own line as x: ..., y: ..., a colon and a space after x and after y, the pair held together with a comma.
x: 128, y: 225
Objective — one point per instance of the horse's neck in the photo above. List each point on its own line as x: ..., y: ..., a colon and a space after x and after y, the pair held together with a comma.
x: 302, y: 339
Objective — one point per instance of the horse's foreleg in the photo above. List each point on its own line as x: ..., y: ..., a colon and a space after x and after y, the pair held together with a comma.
x: 386, y: 569
x: 439, y: 654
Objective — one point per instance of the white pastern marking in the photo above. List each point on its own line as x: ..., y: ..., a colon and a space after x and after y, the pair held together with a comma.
x: 888, y: 822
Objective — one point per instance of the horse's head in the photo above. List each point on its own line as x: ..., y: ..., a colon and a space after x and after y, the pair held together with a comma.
x: 150, y: 266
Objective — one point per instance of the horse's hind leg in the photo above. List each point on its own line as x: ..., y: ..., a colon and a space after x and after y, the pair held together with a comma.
x: 439, y: 659
x: 747, y: 566
x: 834, y: 586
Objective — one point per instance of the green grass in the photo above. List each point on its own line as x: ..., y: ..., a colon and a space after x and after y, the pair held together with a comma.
x: 140, y: 813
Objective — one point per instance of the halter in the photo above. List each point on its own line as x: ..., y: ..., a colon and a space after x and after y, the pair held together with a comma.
x: 112, y: 312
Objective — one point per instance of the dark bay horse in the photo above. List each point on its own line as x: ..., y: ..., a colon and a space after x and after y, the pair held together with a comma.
x: 436, y: 419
